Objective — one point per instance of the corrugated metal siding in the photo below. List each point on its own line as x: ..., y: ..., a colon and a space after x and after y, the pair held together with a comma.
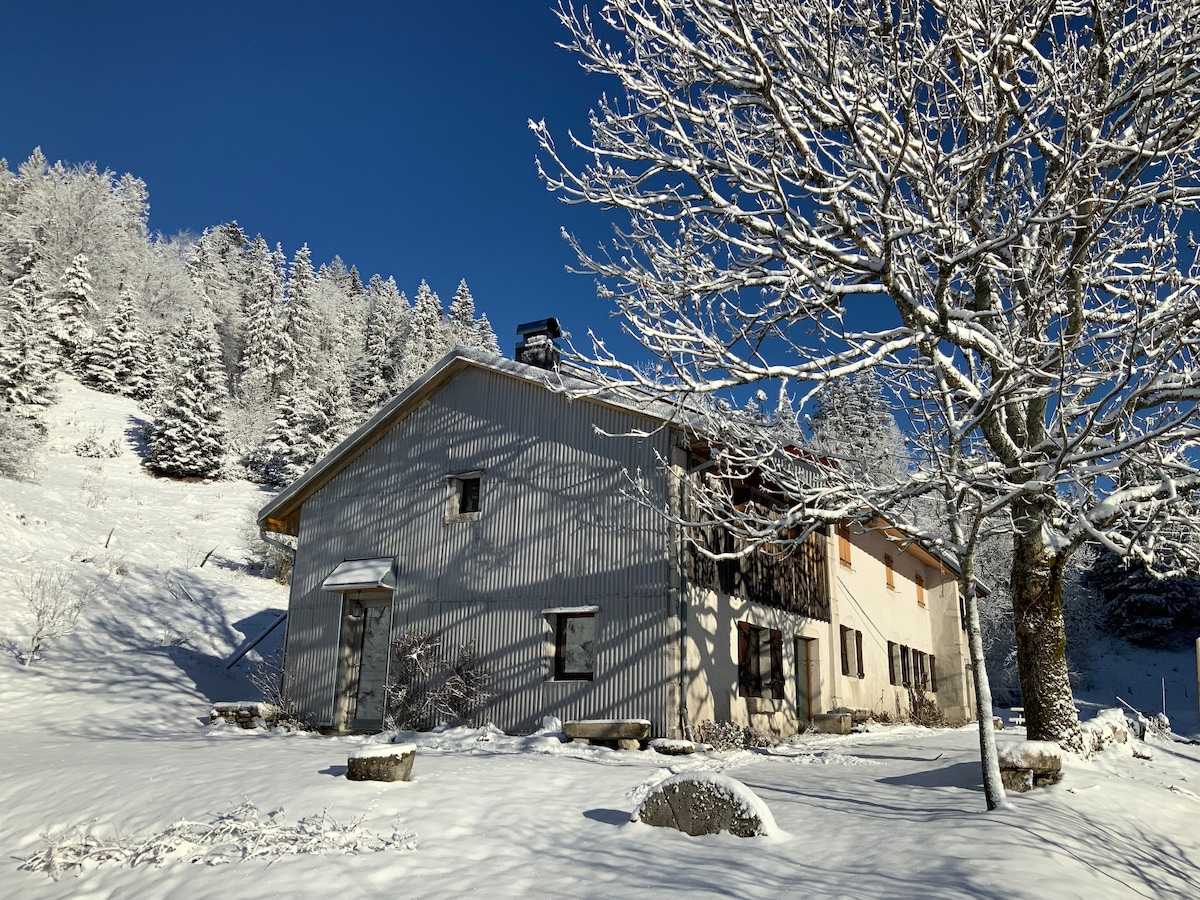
x: 554, y: 531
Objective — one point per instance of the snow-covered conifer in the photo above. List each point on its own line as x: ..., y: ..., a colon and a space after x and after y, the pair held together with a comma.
x: 75, y: 305
x: 187, y: 438
x: 853, y: 424
x: 28, y: 352
x: 122, y: 359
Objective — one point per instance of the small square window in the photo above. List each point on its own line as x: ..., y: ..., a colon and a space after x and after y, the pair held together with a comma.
x: 464, y: 497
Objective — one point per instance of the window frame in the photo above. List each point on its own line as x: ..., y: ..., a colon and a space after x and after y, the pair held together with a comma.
x: 557, y: 621
x: 458, y: 492
x: 759, y: 662
x: 851, y: 640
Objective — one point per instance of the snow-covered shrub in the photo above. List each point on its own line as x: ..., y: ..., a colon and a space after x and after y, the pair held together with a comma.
x: 723, y: 736
x: 431, y: 684
x: 20, y: 439
x: 97, y: 445
x: 266, y: 676
x: 240, y: 834
x: 923, y: 709
x: 55, y: 603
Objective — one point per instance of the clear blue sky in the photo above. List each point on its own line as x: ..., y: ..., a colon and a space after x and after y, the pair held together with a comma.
x: 391, y: 134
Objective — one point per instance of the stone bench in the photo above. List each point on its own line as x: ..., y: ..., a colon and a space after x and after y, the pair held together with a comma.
x: 1030, y: 764
x: 381, y: 762
x: 621, y: 734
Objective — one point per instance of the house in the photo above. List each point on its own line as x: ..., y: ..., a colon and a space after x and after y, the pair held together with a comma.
x: 485, y: 505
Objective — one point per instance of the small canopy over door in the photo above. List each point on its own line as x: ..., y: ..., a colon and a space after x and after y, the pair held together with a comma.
x: 367, y: 589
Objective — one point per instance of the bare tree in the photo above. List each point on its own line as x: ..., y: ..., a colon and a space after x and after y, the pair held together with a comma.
x: 981, y: 198
x: 55, y: 604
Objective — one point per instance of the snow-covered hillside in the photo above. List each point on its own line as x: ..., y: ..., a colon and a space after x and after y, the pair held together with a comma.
x: 109, y: 729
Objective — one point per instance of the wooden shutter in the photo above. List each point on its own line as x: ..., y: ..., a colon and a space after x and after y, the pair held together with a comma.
x: 745, y: 672
x: 905, y: 667
x: 891, y: 572
x: 845, y: 651
x: 776, y: 664
x: 891, y: 663
x: 920, y: 580
x: 932, y: 673
x: 844, y: 544
x: 862, y: 672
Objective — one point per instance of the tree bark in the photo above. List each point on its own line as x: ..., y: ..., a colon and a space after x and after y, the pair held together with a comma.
x: 993, y: 784
x: 1037, y: 582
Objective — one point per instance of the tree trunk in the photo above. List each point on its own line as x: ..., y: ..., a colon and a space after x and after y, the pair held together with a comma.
x: 1037, y: 581
x: 993, y: 784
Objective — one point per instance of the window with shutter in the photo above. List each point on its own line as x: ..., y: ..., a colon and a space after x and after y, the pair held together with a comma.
x: 891, y: 651
x: 843, y: 532
x: 845, y: 642
x: 890, y: 570
x: 920, y: 580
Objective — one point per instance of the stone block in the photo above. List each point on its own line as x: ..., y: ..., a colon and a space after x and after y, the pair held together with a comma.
x: 833, y: 723
x: 381, y: 762
x: 608, y: 729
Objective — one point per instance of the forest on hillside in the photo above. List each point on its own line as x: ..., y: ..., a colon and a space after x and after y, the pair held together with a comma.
x: 248, y: 362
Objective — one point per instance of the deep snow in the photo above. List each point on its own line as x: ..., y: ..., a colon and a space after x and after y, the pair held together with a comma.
x: 111, y: 728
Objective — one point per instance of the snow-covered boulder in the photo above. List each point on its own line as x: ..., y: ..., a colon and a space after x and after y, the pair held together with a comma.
x: 672, y: 748
x: 705, y: 803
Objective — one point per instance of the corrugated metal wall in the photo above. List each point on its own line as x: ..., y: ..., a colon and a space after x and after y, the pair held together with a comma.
x: 554, y: 531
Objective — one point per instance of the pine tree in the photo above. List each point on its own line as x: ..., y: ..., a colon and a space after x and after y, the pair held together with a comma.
x: 187, y: 438
x: 75, y: 303
x: 486, y: 337
x: 853, y: 424
x: 464, y: 329
x: 122, y: 359
x: 428, y: 337
x: 28, y: 353
x: 300, y: 327
x: 378, y: 370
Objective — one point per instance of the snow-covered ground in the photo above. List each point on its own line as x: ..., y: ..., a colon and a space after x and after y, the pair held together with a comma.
x: 110, y: 729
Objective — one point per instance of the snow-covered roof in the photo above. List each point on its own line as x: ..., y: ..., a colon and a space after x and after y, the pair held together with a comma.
x: 362, y: 575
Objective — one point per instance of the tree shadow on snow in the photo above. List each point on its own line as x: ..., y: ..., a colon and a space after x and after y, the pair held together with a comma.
x: 965, y: 775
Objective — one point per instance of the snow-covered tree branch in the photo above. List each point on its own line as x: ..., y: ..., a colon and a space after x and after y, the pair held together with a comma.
x: 985, y: 200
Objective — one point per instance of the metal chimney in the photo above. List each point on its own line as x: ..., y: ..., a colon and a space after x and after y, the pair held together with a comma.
x: 535, y: 343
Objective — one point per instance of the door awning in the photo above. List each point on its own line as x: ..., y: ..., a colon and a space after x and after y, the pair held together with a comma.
x: 362, y: 575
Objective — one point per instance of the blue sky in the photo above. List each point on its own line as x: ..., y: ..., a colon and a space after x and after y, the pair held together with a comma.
x: 392, y: 134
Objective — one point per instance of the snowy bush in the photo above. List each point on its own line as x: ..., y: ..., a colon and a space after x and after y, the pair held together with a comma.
x: 923, y: 709
x: 431, y: 684
x: 266, y: 676
x: 242, y: 833
x: 96, y: 445
x: 20, y: 439
x: 55, y: 604
x: 723, y: 736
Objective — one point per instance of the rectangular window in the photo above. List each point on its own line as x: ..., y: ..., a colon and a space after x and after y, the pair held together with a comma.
x: 893, y: 662
x: 905, y: 666
x: 852, y: 653
x: 891, y: 572
x: 760, y: 662
x: 843, y: 532
x: 574, y: 646
x: 464, y: 497
x: 932, y: 673
x: 920, y: 581
x: 919, y: 669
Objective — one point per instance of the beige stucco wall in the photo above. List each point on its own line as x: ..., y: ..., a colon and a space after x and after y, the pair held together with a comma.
x: 861, y: 601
